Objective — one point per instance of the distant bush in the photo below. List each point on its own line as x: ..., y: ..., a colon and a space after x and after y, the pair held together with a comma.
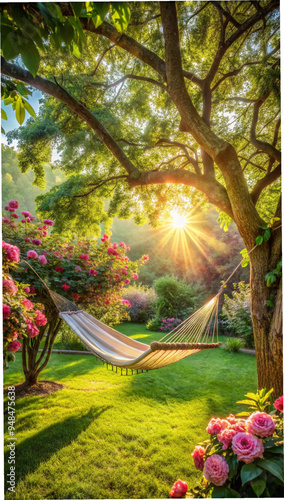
x: 176, y: 299
x: 233, y: 344
x: 236, y: 313
x: 69, y: 340
x: 143, y: 302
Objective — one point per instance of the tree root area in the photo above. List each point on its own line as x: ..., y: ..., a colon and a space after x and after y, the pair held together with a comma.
x: 42, y: 388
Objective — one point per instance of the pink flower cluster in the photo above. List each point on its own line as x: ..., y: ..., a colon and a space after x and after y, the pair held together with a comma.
x: 84, y: 256
x: 179, y: 489
x: 11, y: 252
x: 125, y: 302
x: 9, y: 286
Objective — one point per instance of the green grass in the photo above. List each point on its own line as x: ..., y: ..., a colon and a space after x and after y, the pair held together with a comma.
x: 110, y: 436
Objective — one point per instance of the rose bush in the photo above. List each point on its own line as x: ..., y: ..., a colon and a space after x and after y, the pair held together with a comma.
x: 90, y: 273
x: 244, y: 455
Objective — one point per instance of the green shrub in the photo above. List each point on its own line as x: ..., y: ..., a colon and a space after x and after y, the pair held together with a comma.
x: 143, y: 302
x: 69, y: 340
x: 176, y: 299
x: 236, y: 313
x: 233, y: 344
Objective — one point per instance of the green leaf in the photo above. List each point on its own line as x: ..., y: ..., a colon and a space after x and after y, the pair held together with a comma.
x: 270, y: 303
x: 271, y: 278
x: 66, y: 32
x: 120, y: 15
x: 251, y: 395
x: 20, y: 111
x: 259, y: 484
x: 266, y: 396
x: 10, y: 46
x: 272, y: 467
x: 259, y: 240
x: 219, y: 492
x: 249, y: 472
x: 276, y: 449
x: 3, y: 114
x: 266, y: 235
x: 243, y: 414
x: 75, y: 49
x: 77, y: 7
x: 3, y: 131
x: 30, y: 57
x: 233, y: 493
x: 99, y: 13
x: 29, y: 109
x: 247, y: 402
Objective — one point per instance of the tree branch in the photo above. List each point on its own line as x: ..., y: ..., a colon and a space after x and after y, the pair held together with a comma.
x: 77, y: 107
x: 264, y: 182
x: 100, y: 59
x: 99, y: 184
x: 133, y: 77
x: 262, y: 145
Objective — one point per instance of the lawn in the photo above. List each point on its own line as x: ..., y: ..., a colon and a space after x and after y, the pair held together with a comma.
x: 111, y: 436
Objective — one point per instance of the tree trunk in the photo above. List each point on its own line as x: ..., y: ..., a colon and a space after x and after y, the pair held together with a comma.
x: 267, y: 321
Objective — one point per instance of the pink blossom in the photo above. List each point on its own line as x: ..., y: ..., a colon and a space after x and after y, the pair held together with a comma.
x: 278, y: 404
x: 145, y: 258
x: 126, y: 258
x: 40, y: 318
x: 15, y: 216
x: 11, y: 252
x: 32, y: 330
x: 42, y: 259
x: 115, y: 245
x: 9, y: 287
x: 6, y: 207
x: 123, y: 271
x: 33, y: 218
x: 162, y: 328
x: 105, y: 237
x: 78, y: 269
x: 28, y: 219
x: 32, y: 289
x: 216, y: 470
x: 5, y: 220
x: 122, y: 244
x: 48, y: 222
x: 12, y: 336
x: 31, y: 254
x: 59, y: 269
x: 247, y: 447
x: 45, y: 227
x: 6, y: 311
x: 26, y: 214
x: 93, y: 272
x: 126, y: 267
x: 126, y: 302
x: 23, y: 221
x: 110, y: 250
x: 11, y: 210
x: 27, y: 304
x: 84, y: 256
x: 27, y: 240
x: 27, y: 289
x: 107, y: 302
x: 197, y: 455
x: 14, y: 346
x: 75, y: 296
x: 261, y: 424
x: 126, y: 282
x: 179, y: 489
x: 216, y: 425
x: 134, y: 276
x: 127, y: 247
x: 13, y: 204
x: 36, y: 241
x: 240, y: 425
x: 65, y: 286
x: 225, y: 437
x: 70, y: 255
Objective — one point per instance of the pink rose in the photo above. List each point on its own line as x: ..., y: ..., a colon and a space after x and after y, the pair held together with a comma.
x: 134, y: 276
x: 179, y: 489
x: 36, y: 241
x: 247, y: 447
x: 48, y: 222
x: 198, y: 452
x: 26, y: 214
x: 14, y: 346
x: 32, y: 330
x: 261, y: 424
x: 27, y: 304
x: 93, y: 272
x: 216, y: 425
x: 31, y: 254
x: 145, y: 258
x: 42, y: 259
x: 216, y: 470
x: 122, y: 244
x: 11, y: 210
x: 13, y: 204
x: 6, y: 311
x: 75, y: 296
x: 11, y: 252
x: 105, y: 237
x: 126, y: 282
x: 240, y: 425
x: 27, y: 289
x: 27, y: 240
x: 15, y: 216
x: 278, y: 404
x: 40, y: 318
x: 9, y: 287
x: 59, y: 269
x: 225, y: 437
x: 107, y: 302
x: 65, y: 286
x: 114, y: 245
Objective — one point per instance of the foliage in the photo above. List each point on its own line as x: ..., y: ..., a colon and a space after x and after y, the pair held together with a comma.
x: 20, y: 316
x: 233, y: 344
x: 274, y: 274
x: 142, y: 300
x: 243, y: 457
x: 69, y: 340
x: 236, y: 315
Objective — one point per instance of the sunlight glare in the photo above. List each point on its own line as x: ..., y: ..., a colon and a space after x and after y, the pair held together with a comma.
x: 178, y: 220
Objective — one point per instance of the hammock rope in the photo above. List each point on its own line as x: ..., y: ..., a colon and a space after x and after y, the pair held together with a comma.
x: 194, y: 334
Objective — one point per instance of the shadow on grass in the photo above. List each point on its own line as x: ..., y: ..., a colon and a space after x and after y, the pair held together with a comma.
x: 41, y: 446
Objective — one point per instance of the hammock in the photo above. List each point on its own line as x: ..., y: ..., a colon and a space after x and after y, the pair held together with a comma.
x: 194, y: 334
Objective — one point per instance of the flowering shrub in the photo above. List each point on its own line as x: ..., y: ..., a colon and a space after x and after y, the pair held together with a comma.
x: 21, y: 318
x: 236, y: 314
x: 142, y: 300
x: 244, y: 456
